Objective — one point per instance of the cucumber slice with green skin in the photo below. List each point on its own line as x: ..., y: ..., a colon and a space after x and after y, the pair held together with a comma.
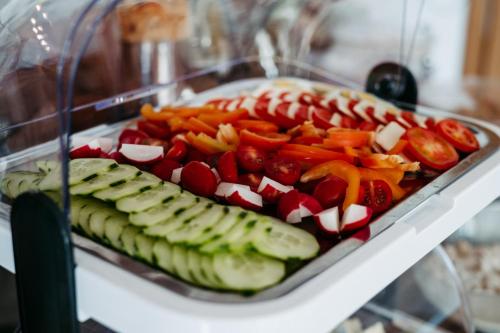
x: 80, y: 170
x: 220, y: 228
x: 128, y: 239
x: 84, y: 218
x: 192, y: 230
x: 98, y: 221
x: 144, y: 245
x: 232, y: 236
x: 162, y: 252
x: 163, y: 212
x: 136, y: 185
x: 208, y: 271
x: 194, y: 267
x: 77, y: 203
x: 147, y: 199
x: 285, y: 242
x: 47, y: 166
x: 247, y: 271
x: 179, y: 260
x: 116, y: 175
x: 113, y: 229
x: 178, y: 219
x: 17, y: 182
x: 255, y: 229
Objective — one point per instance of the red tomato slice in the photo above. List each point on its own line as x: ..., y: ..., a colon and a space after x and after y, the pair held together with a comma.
x: 261, y: 108
x: 191, y: 175
x: 458, y: 135
x: 368, y: 126
x: 283, y: 170
x: 282, y: 115
x: 408, y: 116
x: 265, y: 141
x: 178, y: 151
x: 348, y: 122
x: 375, y: 194
x: 431, y: 149
x: 250, y: 158
x: 153, y: 130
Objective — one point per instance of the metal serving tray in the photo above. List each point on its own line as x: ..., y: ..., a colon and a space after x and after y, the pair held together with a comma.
x: 489, y: 144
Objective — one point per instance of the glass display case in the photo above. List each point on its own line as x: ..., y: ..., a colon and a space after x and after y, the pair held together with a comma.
x: 76, y: 76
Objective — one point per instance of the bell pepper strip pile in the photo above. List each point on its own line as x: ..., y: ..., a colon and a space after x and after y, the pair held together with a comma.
x: 294, y: 133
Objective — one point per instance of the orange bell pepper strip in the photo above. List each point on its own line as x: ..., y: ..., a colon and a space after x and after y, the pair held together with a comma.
x: 188, y: 111
x: 354, y: 139
x: 176, y: 124
x: 149, y: 113
x: 342, y: 169
x: 382, y: 161
x: 207, y: 144
x: 256, y: 125
x: 313, y: 154
x: 398, y: 148
x: 370, y: 174
x: 215, y: 119
x: 198, y: 126
x: 395, y: 175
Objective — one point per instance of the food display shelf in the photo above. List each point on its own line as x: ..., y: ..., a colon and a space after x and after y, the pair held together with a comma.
x: 317, y: 297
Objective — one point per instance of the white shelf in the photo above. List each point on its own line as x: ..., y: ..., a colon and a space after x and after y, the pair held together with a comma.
x: 127, y: 303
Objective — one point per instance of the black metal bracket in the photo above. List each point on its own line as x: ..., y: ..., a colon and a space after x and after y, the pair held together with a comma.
x: 395, y: 83
x: 44, y: 264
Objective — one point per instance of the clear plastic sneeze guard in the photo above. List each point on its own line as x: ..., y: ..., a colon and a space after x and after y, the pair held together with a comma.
x: 142, y: 66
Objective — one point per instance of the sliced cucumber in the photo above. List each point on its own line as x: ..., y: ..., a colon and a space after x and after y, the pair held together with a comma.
x: 128, y: 239
x: 17, y: 182
x: 255, y: 229
x: 47, y: 165
x: 113, y: 229
x: 247, y: 271
x: 162, y: 252
x: 77, y: 203
x: 98, y: 220
x: 162, y: 212
x: 144, y: 245
x: 116, y: 175
x: 284, y: 241
x: 177, y: 219
x: 141, y: 201
x: 179, y: 260
x: 84, y: 218
x: 192, y: 230
x: 232, y: 236
x: 195, y: 270
x: 233, y: 215
x: 208, y: 271
x: 136, y: 185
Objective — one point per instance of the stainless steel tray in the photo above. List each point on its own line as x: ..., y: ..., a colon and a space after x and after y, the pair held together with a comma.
x: 489, y: 144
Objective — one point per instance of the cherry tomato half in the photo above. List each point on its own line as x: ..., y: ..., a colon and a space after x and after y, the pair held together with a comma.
x: 250, y: 158
x: 265, y: 141
x: 375, y: 194
x: 330, y: 192
x: 458, y: 135
x: 251, y: 179
x: 283, y: 170
x: 197, y: 178
x: 430, y: 149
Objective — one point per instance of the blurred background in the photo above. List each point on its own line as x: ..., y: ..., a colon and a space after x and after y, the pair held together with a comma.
x: 451, y: 46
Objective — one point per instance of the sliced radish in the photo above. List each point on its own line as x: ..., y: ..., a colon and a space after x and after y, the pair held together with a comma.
x: 336, y: 120
x: 355, y: 217
x: 141, y: 154
x: 106, y: 144
x: 360, y: 110
x: 389, y: 136
x: 241, y: 195
x: 420, y: 120
x: 91, y: 149
x: 217, y: 176
x: 289, y: 207
x: 342, y: 105
x: 271, y: 190
x: 308, y: 205
x: 176, y: 175
x: 225, y: 189
x: 328, y: 220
